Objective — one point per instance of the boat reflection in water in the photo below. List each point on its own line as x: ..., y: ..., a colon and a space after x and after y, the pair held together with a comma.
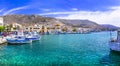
x: 113, y: 59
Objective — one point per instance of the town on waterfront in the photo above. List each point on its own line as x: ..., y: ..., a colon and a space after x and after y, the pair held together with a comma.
x: 18, y: 30
x: 45, y: 28
x: 59, y: 33
x: 14, y: 24
x: 47, y: 25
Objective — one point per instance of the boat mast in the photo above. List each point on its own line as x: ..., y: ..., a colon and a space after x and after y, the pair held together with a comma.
x: 118, y: 35
x: 110, y: 35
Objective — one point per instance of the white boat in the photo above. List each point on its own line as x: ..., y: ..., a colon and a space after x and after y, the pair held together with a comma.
x: 34, y: 36
x: 12, y: 37
x: 114, y: 44
x: 18, y: 39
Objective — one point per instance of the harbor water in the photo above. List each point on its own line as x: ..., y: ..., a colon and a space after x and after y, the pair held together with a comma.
x: 62, y: 50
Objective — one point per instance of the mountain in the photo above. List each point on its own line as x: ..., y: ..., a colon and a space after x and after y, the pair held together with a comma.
x: 110, y: 27
x: 83, y: 23
x: 28, y: 20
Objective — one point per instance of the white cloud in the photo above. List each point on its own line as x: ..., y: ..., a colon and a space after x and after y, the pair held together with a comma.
x: 14, y: 9
x: 1, y: 10
x: 74, y: 9
x: 57, y: 13
x: 107, y: 17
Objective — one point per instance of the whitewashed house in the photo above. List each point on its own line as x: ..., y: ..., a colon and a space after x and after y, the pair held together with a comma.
x: 1, y: 21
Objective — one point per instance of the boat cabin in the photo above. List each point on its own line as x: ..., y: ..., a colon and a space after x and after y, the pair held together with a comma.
x: 118, y: 35
x: 115, y: 44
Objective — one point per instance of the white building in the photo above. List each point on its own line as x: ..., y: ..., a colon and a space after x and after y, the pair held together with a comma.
x: 1, y: 21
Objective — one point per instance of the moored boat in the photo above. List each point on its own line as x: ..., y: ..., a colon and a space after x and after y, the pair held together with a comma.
x: 33, y: 36
x: 114, y: 44
x: 18, y: 39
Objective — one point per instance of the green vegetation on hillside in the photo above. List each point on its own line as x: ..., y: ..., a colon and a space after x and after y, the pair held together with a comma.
x: 2, y: 28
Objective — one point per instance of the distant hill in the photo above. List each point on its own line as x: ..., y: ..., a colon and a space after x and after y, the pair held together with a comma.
x: 83, y: 23
x: 28, y: 20
x: 110, y: 27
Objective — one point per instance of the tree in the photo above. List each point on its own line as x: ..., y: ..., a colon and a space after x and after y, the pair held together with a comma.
x: 14, y: 28
x: 8, y: 27
x: 64, y: 29
x: 2, y: 28
x: 74, y: 30
x: 48, y: 28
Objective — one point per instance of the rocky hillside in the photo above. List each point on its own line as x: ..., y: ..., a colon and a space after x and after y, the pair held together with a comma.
x: 27, y: 19
x: 83, y: 23
x: 36, y: 19
x: 110, y: 27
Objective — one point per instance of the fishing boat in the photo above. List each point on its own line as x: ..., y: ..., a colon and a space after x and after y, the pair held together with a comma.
x: 34, y: 36
x: 18, y: 39
x: 114, y: 44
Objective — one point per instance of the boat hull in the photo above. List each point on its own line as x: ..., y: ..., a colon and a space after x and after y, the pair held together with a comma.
x: 33, y: 36
x: 33, y: 39
x: 16, y: 42
x: 114, y: 46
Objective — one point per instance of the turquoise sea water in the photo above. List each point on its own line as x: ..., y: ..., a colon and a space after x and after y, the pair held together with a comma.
x: 62, y: 50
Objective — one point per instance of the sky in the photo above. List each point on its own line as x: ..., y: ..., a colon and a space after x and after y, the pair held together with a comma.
x: 99, y: 11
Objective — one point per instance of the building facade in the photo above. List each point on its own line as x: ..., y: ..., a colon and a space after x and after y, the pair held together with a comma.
x: 1, y: 21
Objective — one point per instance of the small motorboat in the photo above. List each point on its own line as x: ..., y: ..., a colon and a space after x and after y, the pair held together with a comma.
x: 114, y: 44
x: 34, y: 36
x: 19, y: 40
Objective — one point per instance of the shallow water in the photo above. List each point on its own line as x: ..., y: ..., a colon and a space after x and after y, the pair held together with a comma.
x: 62, y: 50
